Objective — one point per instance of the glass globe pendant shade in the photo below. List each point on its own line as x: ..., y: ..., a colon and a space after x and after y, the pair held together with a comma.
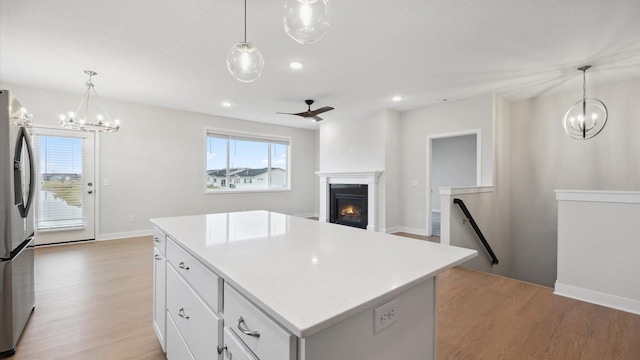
x: 307, y: 21
x: 585, y: 119
x: 245, y: 62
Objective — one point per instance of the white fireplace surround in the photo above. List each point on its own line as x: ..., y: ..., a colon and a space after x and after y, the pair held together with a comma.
x: 369, y: 178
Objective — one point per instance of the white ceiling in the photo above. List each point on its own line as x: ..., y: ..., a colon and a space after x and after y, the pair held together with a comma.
x: 172, y: 53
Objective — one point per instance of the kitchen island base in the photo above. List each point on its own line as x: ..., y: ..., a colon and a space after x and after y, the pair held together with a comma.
x: 260, y: 285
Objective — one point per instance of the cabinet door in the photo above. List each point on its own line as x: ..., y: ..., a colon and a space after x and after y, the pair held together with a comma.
x: 159, y: 296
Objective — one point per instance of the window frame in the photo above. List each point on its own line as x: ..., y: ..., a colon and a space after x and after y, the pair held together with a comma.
x: 267, y: 138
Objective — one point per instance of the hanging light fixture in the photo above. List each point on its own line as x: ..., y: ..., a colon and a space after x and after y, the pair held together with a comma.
x: 244, y: 60
x: 587, y: 117
x: 307, y: 21
x: 82, y: 122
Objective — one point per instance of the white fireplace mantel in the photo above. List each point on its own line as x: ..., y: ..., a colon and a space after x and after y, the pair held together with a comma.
x: 369, y: 178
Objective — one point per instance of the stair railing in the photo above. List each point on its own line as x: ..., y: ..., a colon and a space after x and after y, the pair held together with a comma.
x: 470, y: 220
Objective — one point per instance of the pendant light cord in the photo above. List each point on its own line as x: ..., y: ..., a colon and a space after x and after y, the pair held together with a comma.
x: 245, y: 20
x: 584, y: 83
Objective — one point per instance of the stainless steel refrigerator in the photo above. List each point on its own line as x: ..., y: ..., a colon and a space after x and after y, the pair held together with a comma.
x: 17, y: 190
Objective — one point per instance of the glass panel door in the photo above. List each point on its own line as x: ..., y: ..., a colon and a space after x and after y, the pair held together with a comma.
x: 65, y: 200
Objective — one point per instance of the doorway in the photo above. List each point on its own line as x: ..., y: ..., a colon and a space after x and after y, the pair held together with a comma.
x: 65, y: 192
x: 453, y: 161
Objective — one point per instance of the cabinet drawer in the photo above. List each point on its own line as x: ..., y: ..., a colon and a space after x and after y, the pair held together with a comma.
x: 207, y: 284
x: 273, y: 342
x: 160, y: 241
x: 176, y: 347
x: 198, y: 325
x: 235, y: 349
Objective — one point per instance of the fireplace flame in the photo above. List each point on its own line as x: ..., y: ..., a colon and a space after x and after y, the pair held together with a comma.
x: 349, y: 211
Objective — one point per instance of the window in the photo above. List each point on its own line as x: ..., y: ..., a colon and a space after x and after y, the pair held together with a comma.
x: 246, y: 162
x: 60, y: 183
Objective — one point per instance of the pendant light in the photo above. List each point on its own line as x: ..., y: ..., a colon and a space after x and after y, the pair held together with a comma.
x: 244, y: 60
x: 81, y: 119
x: 307, y: 21
x: 587, y: 117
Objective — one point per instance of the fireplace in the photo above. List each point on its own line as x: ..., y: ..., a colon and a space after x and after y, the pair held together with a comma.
x: 349, y: 204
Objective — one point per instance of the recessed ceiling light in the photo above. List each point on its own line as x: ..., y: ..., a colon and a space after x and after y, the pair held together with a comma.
x: 295, y: 65
x: 396, y: 98
x: 226, y: 104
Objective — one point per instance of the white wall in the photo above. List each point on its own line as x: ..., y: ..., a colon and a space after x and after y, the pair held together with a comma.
x: 598, y: 260
x: 155, y: 163
x: 393, y: 216
x: 544, y: 158
x: 416, y: 126
x: 453, y: 164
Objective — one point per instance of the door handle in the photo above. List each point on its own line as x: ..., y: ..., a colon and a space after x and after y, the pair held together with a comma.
x: 23, y: 207
x: 90, y: 191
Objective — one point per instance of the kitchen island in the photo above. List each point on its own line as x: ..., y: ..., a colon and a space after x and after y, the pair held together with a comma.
x: 264, y: 285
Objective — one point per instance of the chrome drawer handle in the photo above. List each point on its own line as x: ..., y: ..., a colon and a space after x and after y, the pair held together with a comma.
x: 182, y: 314
x: 183, y: 266
x: 157, y: 257
x: 221, y: 349
x: 155, y: 238
x: 242, y: 327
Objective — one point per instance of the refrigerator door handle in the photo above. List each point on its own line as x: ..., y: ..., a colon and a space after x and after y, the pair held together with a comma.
x: 23, y: 137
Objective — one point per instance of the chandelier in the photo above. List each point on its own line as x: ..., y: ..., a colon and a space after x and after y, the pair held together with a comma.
x: 81, y: 121
x: 587, y: 117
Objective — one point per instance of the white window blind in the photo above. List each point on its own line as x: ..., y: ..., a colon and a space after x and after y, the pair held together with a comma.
x: 61, y: 184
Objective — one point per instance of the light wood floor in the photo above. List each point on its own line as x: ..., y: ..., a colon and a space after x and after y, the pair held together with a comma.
x: 94, y: 302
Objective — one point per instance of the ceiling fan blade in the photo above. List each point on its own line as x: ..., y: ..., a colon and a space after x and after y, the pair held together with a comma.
x: 317, y: 118
x: 321, y: 110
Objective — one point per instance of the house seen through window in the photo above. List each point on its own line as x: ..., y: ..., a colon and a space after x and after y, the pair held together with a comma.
x: 246, y: 162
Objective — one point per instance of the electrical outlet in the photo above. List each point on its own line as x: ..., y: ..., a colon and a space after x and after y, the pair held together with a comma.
x: 132, y: 218
x: 386, y: 315
x: 419, y: 216
x: 107, y: 182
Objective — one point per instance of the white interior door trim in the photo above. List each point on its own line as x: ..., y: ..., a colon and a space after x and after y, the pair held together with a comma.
x: 430, y: 138
x: 91, y: 153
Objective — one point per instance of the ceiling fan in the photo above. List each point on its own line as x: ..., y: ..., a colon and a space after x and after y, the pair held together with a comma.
x: 311, y: 113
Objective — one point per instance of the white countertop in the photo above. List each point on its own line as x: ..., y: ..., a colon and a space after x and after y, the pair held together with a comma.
x: 308, y: 275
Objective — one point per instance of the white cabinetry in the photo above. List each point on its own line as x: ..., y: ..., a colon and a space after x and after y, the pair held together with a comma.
x: 234, y: 348
x: 267, y: 339
x: 159, y: 287
x: 193, y: 302
x: 266, y: 286
x: 176, y: 346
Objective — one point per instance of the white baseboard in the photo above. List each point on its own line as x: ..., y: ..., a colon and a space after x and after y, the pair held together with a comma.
x: 410, y: 230
x: 307, y: 215
x: 393, y: 229
x: 598, y: 298
x: 126, y: 234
